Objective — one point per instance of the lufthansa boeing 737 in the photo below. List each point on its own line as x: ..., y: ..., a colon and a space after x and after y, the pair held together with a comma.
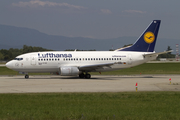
x: 80, y: 63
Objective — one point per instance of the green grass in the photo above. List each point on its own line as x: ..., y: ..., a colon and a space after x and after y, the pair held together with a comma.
x: 91, y: 106
x: 95, y: 106
x: 147, y: 68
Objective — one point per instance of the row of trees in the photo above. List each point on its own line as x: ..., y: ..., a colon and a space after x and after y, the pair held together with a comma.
x: 10, y: 54
x: 78, y: 50
x: 6, y: 55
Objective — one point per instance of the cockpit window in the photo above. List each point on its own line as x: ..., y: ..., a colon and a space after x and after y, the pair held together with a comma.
x: 18, y: 59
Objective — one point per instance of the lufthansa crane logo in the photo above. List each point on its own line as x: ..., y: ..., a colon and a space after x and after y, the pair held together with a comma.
x: 149, y: 37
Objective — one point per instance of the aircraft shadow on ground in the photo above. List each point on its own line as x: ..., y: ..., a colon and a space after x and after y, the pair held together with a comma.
x: 93, y: 77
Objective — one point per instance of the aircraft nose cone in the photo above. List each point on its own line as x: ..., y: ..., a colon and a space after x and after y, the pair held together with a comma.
x: 9, y: 64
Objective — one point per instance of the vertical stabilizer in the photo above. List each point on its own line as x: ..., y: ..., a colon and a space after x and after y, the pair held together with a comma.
x: 146, y: 42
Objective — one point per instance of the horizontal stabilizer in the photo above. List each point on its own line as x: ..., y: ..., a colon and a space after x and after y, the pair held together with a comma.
x: 155, y: 54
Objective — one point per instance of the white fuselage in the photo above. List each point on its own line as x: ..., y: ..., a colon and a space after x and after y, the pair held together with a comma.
x: 68, y: 63
x: 51, y: 61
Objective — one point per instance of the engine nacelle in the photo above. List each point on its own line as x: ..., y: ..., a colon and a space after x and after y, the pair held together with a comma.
x: 68, y: 71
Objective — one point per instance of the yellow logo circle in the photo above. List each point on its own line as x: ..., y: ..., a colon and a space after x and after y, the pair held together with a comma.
x: 149, y: 37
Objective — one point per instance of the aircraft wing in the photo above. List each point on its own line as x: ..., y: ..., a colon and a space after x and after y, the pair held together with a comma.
x: 94, y: 67
x: 154, y: 54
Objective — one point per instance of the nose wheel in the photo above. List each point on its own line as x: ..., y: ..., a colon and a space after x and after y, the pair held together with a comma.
x: 26, y: 76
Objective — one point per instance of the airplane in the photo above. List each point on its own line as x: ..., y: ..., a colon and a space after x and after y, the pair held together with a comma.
x: 80, y: 63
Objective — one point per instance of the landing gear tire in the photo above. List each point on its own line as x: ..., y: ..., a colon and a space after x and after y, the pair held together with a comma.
x: 88, y: 76
x: 81, y: 75
x: 26, y: 76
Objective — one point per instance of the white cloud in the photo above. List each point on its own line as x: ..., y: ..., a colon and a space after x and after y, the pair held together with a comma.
x: 106, y: 11
x: 39, y: 3
x: 134, y: 11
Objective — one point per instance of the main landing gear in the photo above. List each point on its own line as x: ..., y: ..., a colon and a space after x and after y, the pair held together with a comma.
x: 26, y: 76
x: 82, y: 75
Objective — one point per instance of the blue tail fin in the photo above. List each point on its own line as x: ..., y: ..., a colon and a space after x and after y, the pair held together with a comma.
x: 146, y: 42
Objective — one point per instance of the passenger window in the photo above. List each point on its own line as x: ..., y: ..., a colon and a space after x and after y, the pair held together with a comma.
x: 18, y: 59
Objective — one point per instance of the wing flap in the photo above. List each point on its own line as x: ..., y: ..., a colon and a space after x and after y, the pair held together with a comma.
x: 95, y: 66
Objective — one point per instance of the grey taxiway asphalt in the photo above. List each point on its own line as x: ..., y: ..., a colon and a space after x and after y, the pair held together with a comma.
x: 37, y: 84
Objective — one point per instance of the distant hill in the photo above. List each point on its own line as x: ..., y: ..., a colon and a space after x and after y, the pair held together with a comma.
x: 16, y: 37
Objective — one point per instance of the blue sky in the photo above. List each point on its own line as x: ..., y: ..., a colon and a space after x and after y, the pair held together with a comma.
x: 92, y: 18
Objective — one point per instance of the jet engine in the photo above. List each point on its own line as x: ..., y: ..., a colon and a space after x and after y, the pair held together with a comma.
x: 68, y: 71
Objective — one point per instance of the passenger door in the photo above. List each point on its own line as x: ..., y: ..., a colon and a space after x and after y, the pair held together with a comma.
x: 129, y: 59
x: 33, y: 60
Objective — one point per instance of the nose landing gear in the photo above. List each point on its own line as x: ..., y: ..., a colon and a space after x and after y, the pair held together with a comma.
x: 26, y: 76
